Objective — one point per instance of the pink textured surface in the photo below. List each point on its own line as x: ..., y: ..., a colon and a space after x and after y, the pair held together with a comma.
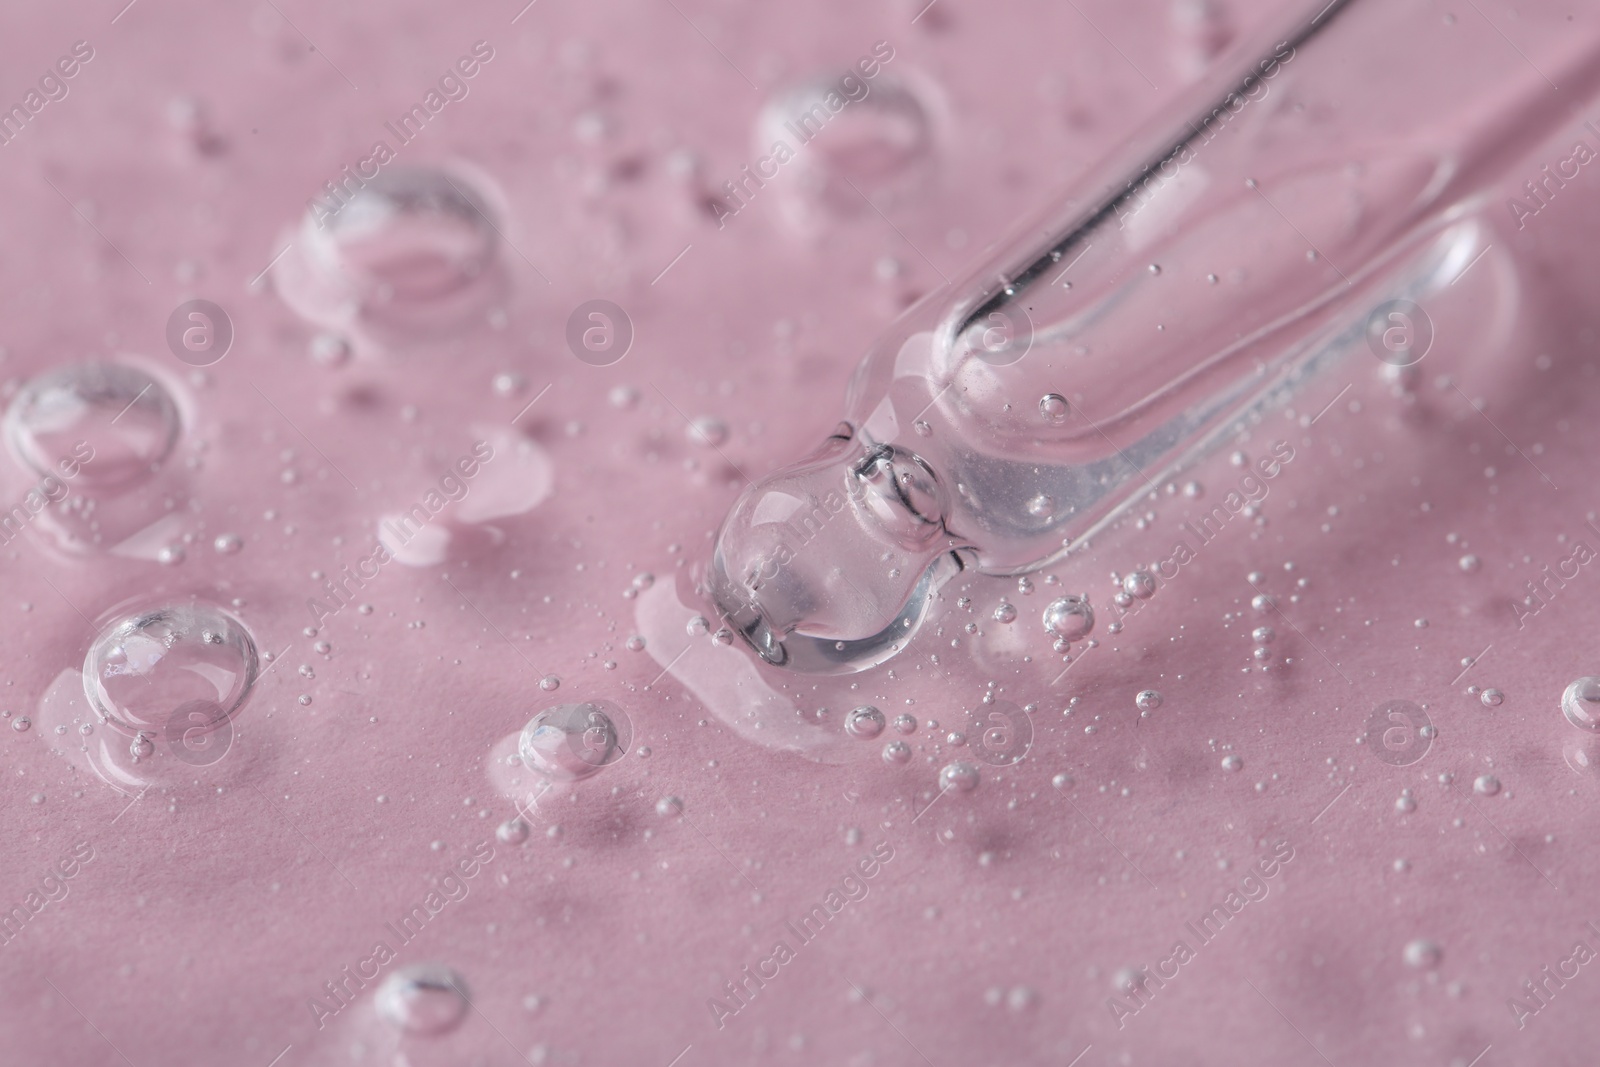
x: 214, y: 909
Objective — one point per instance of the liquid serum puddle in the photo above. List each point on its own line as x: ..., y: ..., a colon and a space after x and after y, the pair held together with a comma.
x: 726, y: 680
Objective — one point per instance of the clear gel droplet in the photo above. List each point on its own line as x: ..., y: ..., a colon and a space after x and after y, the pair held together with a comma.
x: 570, y: 742
x: 413, y: 246
x: 111, y: 424
x: 1070, y: 618
x: 152, y: 663
x: 869, y: 142
x: 1422, y: 954
x: 1140, y: 585
x: 864, y: 722
x: 425, y: 998
x: 959, y: 777
x: 1581, y: 703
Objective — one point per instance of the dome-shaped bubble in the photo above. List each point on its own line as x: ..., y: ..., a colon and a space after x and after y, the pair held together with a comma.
x: 102, y: 425
x: 958, y: 777
x: 1070, y: 618
x: 1581, y: 703
x: 572, y: 741
x: 413, y: 246
x: 865, y: 722
x: 424, y: 998
x: 155, y: 664
x: 847, y: 136
x: 865, y: 131
x: 412, y: 234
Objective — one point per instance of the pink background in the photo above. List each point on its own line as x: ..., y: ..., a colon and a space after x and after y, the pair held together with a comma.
x: 215, y: 907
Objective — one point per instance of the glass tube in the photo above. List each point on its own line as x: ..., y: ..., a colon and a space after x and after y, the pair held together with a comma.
x: 1198, y: 274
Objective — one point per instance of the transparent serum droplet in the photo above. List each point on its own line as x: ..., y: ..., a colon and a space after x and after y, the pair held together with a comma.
x: 416, y: 247
x: 1583, y: 756
x: 21, y: 723
x: 1581, y: 703
x: 1070, y: 618
x: 1140, y: 585
x: 1232, y: 763
x: 328, y: 350
x: 896, y: 752
x: 1423, y: 954
x: 1491, y: 698
x: 959, y: 777
x: 905, y: 724
x: 1053, y: 408
x: 870, y: 144
x: 1005, y: 612
x: 1486, y: 785
x: 864, y: 722
x: 513, y: 831
x: 708, y: 431
x: 149, y: 665
x: 113, y: 423
x: 425, y: 998
x: 1147, y: 700
x: 570, y: 742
